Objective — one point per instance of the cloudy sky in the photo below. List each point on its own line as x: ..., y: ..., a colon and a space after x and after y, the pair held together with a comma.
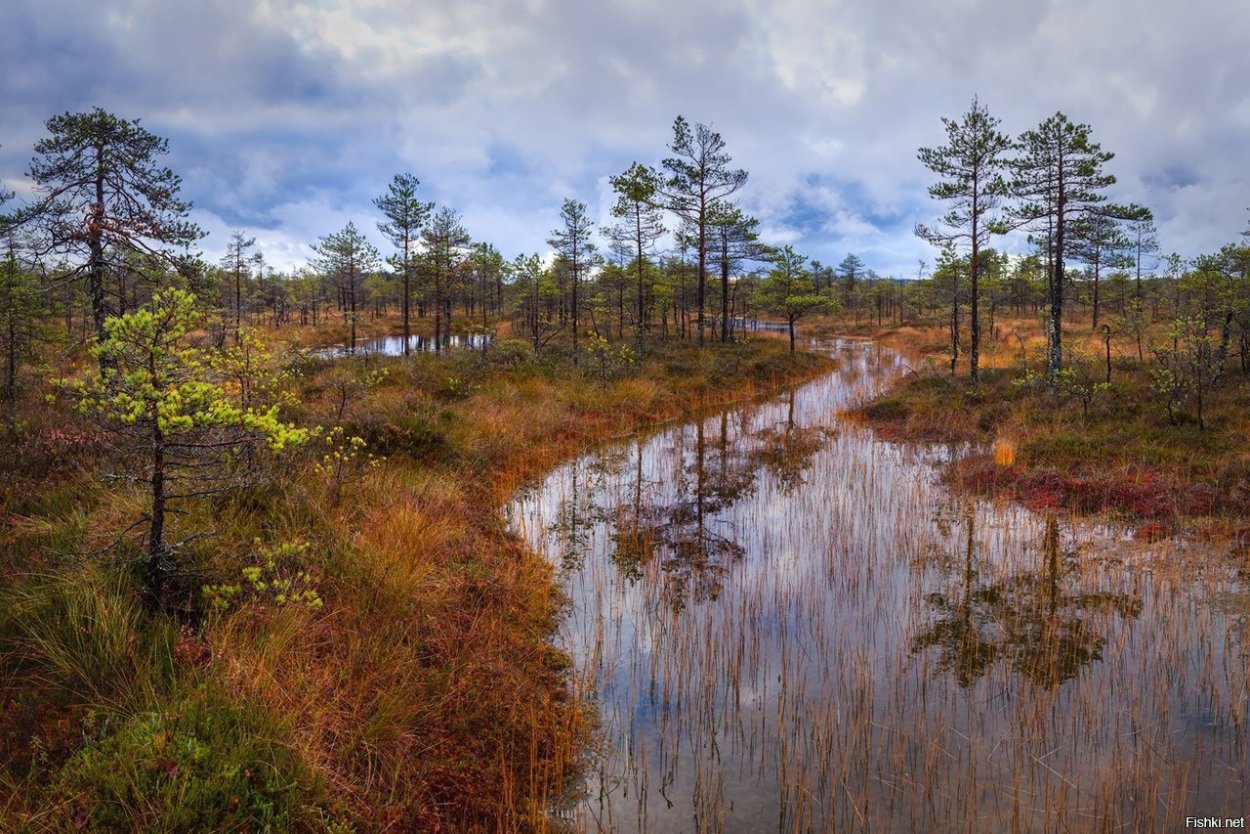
x: 285, y: 119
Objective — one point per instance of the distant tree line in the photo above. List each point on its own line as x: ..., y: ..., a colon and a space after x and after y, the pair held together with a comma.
x: 106, y: 228
x: 101, y: 258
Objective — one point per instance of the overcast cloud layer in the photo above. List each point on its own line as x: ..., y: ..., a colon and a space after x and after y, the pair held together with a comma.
x: 286, y: 119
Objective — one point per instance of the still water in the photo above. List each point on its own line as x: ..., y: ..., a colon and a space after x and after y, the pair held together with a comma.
x: 394, y: 345
x: 787, y: 625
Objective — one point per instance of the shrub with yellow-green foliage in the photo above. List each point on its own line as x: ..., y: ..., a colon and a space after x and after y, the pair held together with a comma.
x: 191, y: 431
x: 423, y: 693
x: 279, y: 578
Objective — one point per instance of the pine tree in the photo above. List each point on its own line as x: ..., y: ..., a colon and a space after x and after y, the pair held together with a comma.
x: 699, y: 176
x: 103, y: 191
x: 1057, y: 178
x: 733, y: 239
x: 970, y: 167
x: 405, y: 215
x: 446, y: 242
x: 572, y: 244
x: 640, y: 224
x: 347, y: 257
x: 238, y: 263
x: 1099, y: 243
x: 21, y: 310
x: 181, y: 415
x: 789, y: 291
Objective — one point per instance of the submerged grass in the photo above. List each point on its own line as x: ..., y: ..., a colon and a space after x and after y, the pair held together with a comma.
x: 783, y: 635
x: 420, y: 693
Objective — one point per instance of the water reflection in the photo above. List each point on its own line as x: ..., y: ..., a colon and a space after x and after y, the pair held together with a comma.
x: 394, y: 345
x: 739, y: 325
x: 1039, y: 622
x: 684, y: 528
x: 786, y: 625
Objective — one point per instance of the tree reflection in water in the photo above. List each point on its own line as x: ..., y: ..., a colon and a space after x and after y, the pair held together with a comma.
x: 686, y: 529
x: 805, y: 696
x: 1036, y: 622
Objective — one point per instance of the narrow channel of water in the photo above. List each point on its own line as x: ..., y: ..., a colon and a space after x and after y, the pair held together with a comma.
x: 788, y: 625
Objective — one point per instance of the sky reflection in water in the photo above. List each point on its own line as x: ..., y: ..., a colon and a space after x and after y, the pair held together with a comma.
x: 789, y: 626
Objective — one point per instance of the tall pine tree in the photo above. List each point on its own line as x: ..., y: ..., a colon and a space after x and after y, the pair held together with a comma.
x: 405, y: 216
x: 970, y: 168
x: 102, y: 192
x: 1058, y: 178
x: 699, y: 176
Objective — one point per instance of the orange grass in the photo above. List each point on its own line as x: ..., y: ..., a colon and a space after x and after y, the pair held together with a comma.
x: 425, y: 695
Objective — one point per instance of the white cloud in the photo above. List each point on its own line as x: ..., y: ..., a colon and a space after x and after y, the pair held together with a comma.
x: 287, y: 118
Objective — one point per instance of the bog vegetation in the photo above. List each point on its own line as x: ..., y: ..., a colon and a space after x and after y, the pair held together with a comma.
x: 254, y: 574
x: 1121, y: 385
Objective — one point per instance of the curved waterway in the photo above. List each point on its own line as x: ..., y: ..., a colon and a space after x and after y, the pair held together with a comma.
x: 788, y: 625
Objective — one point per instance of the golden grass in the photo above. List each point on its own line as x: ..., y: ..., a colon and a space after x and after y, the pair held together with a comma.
x: 1004, y: 451
x: 425, y: 695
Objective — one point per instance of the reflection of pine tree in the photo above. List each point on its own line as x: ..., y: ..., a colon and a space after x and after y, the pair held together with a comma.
x: 963, y: 630
x: 686, y: 533
x: 786, y: 450
x: 1032, y: 621
x: 578, y: 513
x: 695, y: 544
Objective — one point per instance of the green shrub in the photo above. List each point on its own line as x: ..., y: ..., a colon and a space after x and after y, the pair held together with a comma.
x: 204, y: 765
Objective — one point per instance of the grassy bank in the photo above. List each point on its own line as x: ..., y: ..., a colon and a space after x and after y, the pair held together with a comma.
x: 1085, y: 444
x: 372, y: 650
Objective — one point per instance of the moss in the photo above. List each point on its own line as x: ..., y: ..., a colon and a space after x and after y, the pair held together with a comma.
x: 200, y: 764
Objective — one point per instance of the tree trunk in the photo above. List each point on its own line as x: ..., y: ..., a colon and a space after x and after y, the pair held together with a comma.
x: 351, y: 301
x: 447, y: 320
x: 974, y: 273
x: 406, y: 307
x: 438, y: 310
x: 1096, y: 271
x: 1056, y: 291
x: 954, y: 319
x: 641, y: 325
x: 574, y: 311
x: 702, y: 267
x: 95, y: 268
x: 724, y: 297
x: 1107, y: 339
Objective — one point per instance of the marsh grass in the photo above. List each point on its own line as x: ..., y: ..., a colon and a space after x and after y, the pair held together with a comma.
x: 881, y: 655
x: 1122, y: 454
x: 423, y: 695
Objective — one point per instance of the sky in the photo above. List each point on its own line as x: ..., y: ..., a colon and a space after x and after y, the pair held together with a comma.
x: 286, y: 119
